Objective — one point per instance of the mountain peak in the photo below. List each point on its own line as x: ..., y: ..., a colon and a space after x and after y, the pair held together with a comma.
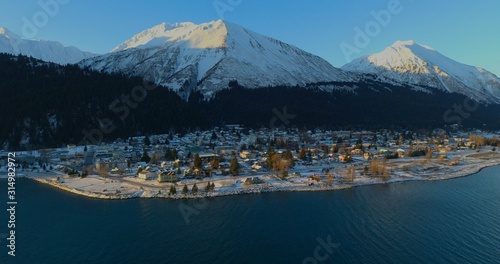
x: 409, y: 44
x: 415, y: 64
x: 402, y: 56
x: 403, y: 43
x: 206, y: 57
x: 164, y: 26
x: 51, y: 51
x: 206, y: 35
x: 8, y: 33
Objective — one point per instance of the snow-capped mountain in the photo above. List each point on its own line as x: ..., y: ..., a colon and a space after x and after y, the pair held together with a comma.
x: 411, y: 63
x: 186, y: 56
x: 157, y: 36
x: 51, y: 51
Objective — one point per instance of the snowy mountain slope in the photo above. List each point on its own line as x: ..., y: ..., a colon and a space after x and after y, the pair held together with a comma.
x: 156, y: 36
x: 51, y: 51
x: 411, y: 63
x: 186, y: 56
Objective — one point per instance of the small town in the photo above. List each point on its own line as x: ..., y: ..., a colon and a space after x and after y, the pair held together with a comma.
x: 233, y: 159
x: 250, y: 132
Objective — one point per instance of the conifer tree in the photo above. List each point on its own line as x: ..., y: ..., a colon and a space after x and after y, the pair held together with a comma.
x: 173, y: 190
x: 207, y: 188
x: 270, y: 157
x: 145, y: 157
x: 234, y: 167
x: 214, y: 163
x: 289, y: 156
x: 147, y: 141
x: 302, y: 154
x: 197, y: 161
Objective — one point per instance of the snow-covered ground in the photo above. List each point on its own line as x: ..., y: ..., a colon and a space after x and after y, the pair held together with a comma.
x: 401, y: 170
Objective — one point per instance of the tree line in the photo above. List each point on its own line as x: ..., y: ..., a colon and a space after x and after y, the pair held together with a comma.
x: 49, y: 105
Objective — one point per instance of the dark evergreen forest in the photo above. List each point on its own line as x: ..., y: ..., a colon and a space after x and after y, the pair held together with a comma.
x: 48, y: 105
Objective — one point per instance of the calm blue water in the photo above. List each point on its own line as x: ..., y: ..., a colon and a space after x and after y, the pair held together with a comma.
x: 455, y: 221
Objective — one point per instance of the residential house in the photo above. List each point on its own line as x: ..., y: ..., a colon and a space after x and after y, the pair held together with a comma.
x: 167, y: 176
x: 146, y: 175
x: 248, y: 155
x: 254, y: 180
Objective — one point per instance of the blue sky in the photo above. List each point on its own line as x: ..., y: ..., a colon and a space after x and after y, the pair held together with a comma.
x: 467, y: 31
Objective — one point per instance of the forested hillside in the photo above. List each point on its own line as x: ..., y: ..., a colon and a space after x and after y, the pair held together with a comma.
x: 47, y: 105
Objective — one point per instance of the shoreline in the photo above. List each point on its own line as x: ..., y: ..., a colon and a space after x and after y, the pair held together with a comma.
x: 472, y: 169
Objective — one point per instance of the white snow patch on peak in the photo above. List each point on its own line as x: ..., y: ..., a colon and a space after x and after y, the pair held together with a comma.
x: 408, y: 44
x: 207, y: 35
x: 403, y: 43
x: 416, y: 64
x: 207, y: 56
x: 8, y: 34
x: 51, y: 51
x: 3, y: 31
